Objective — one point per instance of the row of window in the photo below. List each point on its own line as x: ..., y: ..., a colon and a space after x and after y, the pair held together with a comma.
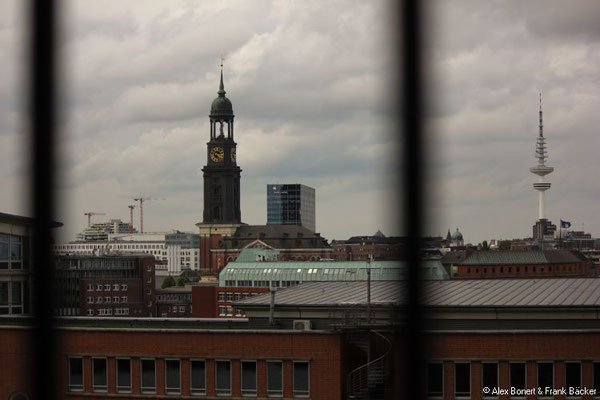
x: 517, y: 377
x: 113, y: 246
x: 107, y: 299
x: 222, y: 376
x: 229, y: 296
x: 107, y: 287
x: 108, y: 311
x: 229, y: 311
x: 492, y: 270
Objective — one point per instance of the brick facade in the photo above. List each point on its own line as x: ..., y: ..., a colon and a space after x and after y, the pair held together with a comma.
x: 321, y: 350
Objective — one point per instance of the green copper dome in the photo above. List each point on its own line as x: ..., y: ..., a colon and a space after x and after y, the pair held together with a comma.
x: 221, y: 106
x: 456, y: 235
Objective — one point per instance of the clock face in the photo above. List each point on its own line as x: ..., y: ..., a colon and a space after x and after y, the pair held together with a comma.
x: 217, y: 154
x: 233, y: 155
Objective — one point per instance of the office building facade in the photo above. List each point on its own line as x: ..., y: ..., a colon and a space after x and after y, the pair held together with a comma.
x: 291, y: 204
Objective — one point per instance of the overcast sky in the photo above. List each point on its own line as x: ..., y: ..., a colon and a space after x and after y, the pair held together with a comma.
x: 310, y: 83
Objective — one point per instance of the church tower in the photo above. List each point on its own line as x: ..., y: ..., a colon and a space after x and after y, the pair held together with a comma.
x: 221, y: 173
x: 221, y: 215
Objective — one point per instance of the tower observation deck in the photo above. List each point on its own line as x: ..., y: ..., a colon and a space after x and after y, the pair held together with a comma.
x: 541, y: 169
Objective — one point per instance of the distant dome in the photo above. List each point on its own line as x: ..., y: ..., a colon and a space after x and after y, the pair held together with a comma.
x: 456, y: 235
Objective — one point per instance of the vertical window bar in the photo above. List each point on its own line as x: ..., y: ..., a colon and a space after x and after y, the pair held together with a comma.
x: 411, y: 104
x: 42, y: 122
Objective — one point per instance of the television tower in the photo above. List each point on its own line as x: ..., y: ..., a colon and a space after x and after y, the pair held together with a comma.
x: 541, y: 169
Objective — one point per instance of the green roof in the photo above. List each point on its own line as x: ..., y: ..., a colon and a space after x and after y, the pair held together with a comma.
x: 305, y: 271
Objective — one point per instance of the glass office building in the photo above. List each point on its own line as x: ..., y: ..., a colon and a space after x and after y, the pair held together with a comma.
x: 291, y: 204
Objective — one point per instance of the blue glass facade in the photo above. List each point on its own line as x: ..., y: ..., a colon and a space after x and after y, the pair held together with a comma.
x: 291, y: 204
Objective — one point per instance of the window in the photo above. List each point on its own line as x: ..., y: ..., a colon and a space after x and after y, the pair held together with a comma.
x: 107, y: 299
x: 106, y: 287
x: 181, y: 308
x: 115, y: 299
x: 98, y: 299
x: 90, y: 287
x: 123, y: 375
x: 572, y: 375
x: 545, y: 375
x: 489, y: 377
x: 123, y: 299
x: 99, y: 287
x: 248, y: 378
x: 99, y: 374
x: 274, y: 378
x: 116, y: 286
x: 90, y: 312
x: 148, y: 376
x: 198, y: 377
x: 223, y: 378
x: 301, y: 379
x: 462, y: 379
x: 172, y: 377
x: 517, y: 375
x: 435, y: 380
x: 124, y: 286
x: 75, y: 373
x: 90, y: 300
x: 229, y: 296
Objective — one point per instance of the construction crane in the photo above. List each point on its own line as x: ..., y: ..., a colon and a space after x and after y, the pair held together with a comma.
x: 89, y: 215
x: 131, y: 207
x: 142, y: 200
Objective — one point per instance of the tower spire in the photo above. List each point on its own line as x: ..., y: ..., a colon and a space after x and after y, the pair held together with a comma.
x: 541, y: 123
x: 221, y: 91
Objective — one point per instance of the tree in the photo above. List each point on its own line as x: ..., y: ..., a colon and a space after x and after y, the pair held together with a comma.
x: 168, y: 282
x: 182, y: 280
x: 504, y: 244
x: 484, y: 245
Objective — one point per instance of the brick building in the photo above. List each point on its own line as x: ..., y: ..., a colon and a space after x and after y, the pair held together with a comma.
x: 174, y: 302
x: 109, y: 285
x: 360, y: 248
x: 217, y: 302
x: 154, y: 359
x: 494, y: 264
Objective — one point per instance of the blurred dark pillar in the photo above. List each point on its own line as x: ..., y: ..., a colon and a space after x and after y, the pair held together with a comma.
x: 413, y: 356
x: 43, y: 120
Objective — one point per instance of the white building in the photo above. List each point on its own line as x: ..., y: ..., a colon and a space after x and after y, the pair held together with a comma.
x: 173, y: 251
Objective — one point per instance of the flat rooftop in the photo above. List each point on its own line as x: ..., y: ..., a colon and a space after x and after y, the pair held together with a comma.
x: 559, y: 292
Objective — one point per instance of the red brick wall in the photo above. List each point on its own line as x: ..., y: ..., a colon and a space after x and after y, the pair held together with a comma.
x: 488, y: 271
x: 557, y: 347
x: 204, y: 301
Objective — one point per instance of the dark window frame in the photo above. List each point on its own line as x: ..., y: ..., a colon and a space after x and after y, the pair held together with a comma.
x: 193, y: 390
x: 98, y: 387
x: 248, y: 392
x: 274, y: 392
x: 462, y: 394
x: 301, y: 393
x: 484, y: 384
x: 72, y: 387
x: 147, y: 389
x: 223, y: 391
x: 172, y: 390
x: 539, y: 384
x: 123, y: 388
